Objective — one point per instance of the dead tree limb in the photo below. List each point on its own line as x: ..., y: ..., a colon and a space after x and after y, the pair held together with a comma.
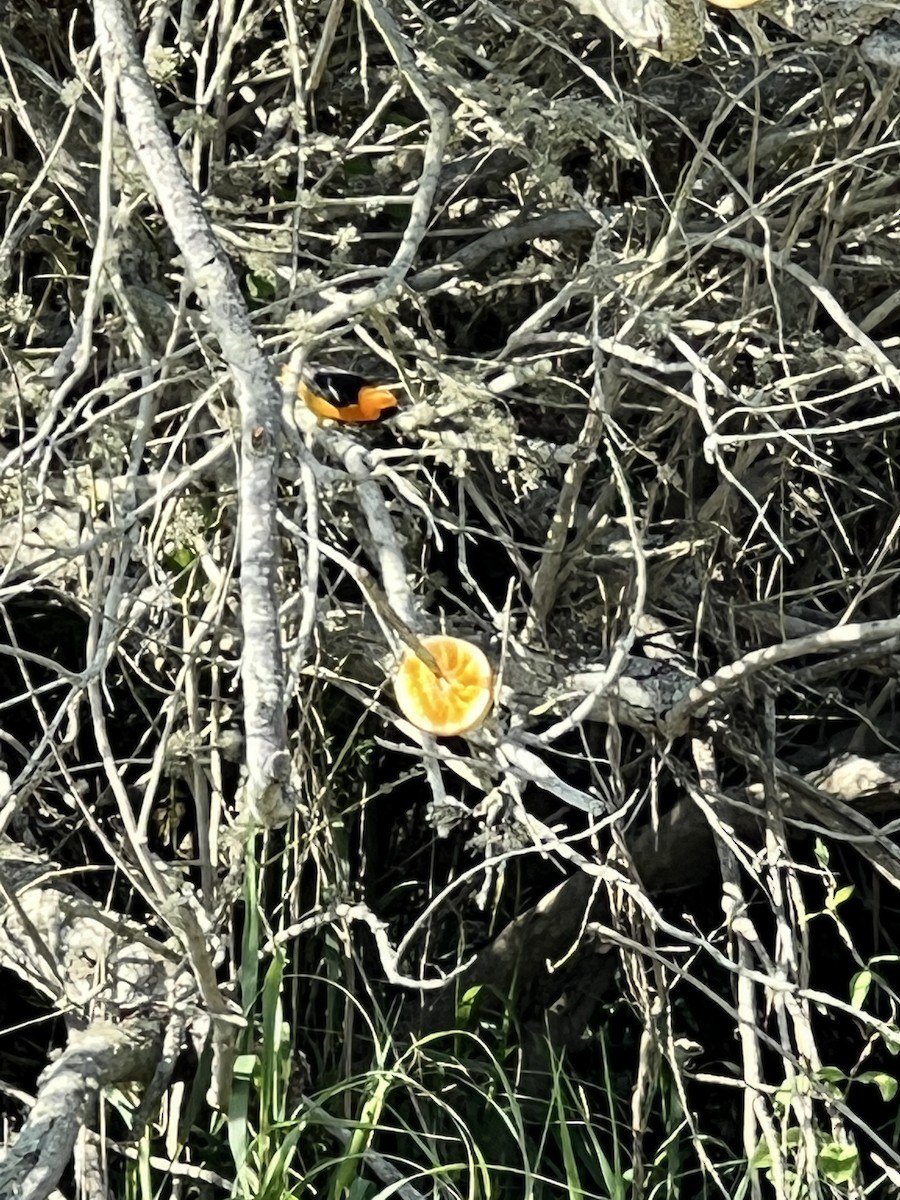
x: 127, y: 1000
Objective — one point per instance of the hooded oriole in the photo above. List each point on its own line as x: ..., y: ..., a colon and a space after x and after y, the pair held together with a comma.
x: 341, y: 396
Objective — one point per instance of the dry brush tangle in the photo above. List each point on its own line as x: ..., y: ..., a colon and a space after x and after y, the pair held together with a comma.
x: 676, y: 30
x: 128, y: 1003
x: 641, y: 322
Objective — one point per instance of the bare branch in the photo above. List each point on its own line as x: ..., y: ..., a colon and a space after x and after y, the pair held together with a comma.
x: 257, y: 395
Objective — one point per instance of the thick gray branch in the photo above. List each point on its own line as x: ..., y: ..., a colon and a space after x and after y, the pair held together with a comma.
x: 640, y: 697
x: 98, y: 1056
x: 255, y: 390
x: 100, y: 970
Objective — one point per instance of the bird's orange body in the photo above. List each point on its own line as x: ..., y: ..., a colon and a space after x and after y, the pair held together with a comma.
x: 341, y: 396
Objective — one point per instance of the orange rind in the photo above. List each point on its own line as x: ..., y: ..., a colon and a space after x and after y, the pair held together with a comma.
x: 457, y: 698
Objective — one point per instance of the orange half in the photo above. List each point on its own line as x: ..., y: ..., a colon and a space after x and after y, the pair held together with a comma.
x: 455, y: 701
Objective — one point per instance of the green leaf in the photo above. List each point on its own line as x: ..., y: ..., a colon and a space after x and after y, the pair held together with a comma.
x: 183, y: 556
x: 859, y: 988
x: 838, y: 1163
x: 785, y: 1094
x: 886, y: 1084
x: 839, y: 897
x: 276, y: 1173
x: 245, y: 1066
x: 276, y: 1047
x: 466, y: 1006
x: 831, y: 1074
x: 761, y: 1158
x: 260, y: 288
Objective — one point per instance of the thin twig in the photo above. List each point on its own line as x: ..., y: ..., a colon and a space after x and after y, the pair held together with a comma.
x: 729, y: 677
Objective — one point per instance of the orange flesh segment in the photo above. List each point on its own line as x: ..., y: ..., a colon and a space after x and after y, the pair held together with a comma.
x: 453, y: 702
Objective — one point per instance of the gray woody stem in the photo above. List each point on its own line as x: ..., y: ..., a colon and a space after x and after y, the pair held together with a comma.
x: 257, y: 396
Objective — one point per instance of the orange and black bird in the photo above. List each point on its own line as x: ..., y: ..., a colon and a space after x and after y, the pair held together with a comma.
x: 342, y: 396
